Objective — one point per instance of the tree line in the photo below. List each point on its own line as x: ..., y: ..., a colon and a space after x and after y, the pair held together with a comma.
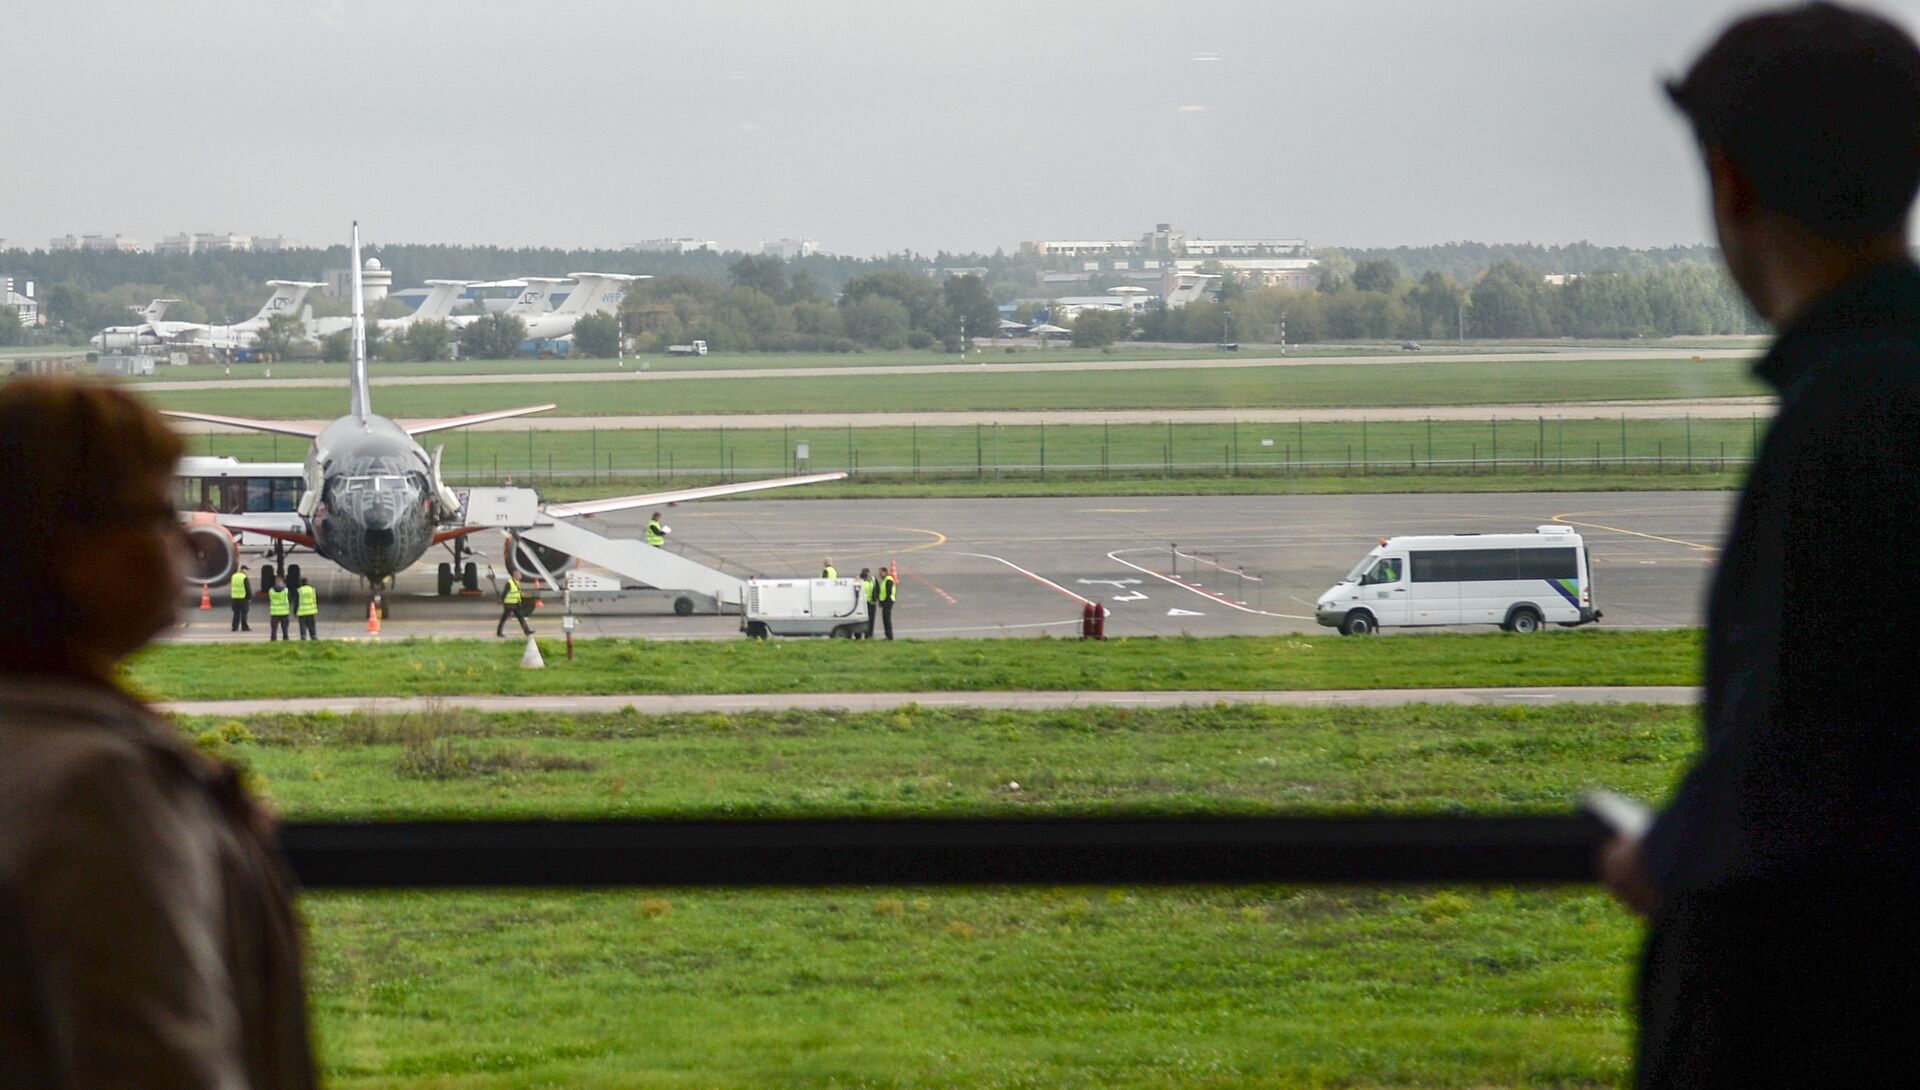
x: 1376, y: 301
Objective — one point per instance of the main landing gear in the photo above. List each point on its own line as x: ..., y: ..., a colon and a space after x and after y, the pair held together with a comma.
x: 465, y: 570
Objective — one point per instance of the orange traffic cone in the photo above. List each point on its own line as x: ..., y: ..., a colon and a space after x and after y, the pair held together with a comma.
x: 206, y: 597
x: 538, y: 603
x: 373, y: 617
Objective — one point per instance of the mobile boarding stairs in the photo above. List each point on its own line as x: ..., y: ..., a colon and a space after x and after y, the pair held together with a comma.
x: 652, y: 571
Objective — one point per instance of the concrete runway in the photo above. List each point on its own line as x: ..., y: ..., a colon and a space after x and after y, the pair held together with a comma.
x: 1023, y: 567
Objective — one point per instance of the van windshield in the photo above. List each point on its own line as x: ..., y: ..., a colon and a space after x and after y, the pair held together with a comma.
x: 1360, y: 569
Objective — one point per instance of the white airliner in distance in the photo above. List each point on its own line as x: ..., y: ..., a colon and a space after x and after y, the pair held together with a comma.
x: 138, y: 335
x: 535, y: 298
x: 592, y: 293
x: 442, y: 297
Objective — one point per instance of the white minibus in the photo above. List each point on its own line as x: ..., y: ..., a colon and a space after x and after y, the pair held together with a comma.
x: 1517, y: 581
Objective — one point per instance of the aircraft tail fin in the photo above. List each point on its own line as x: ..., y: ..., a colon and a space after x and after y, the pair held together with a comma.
x: 597, y: 293
x: 286, y: 298
x: 536, y: 297
x: 156, y: 310
x: 442, y: 297
x: 360, y: 399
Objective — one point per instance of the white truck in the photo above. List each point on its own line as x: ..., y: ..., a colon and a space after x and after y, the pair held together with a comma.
x: 804, y: 607
x: 697, y: 348
x: 1517, y: 581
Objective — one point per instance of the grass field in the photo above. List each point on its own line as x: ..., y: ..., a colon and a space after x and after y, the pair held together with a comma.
x: 733, y: 361
x: 1216, y: 988
x: 1126, y: 451
x: 1427, y: 382
x: 427, y: 667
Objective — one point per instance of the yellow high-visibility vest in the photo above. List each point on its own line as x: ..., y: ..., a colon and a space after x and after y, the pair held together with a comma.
x: 829, y: 572
x: 889, y: 588
x: 238, y: 587
x: 277, y: 602
x: 309, y: 601
x: 656, y: 533
x: 512, y: 597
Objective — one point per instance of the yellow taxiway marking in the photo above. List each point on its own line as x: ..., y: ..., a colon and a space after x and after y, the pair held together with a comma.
x: 939, y: 538
x: 1568, y: 518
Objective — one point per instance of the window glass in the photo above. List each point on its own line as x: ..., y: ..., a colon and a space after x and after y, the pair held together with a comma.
x: 1548, y: 564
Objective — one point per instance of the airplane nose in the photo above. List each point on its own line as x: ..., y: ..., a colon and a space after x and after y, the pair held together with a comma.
x: 379, y: 537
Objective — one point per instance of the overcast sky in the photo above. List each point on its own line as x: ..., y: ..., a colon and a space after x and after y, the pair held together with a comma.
x: 870, y: 127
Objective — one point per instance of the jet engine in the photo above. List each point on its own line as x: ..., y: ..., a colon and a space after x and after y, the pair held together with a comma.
x: 212, y: 553
x: 556, y: 562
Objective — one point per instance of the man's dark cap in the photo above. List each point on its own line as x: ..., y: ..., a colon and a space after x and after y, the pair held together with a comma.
x: 1819, y: 106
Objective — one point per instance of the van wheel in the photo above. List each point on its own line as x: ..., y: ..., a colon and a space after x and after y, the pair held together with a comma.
x: 1359, y: 623
x: 843, y: 632
x: 683, y: 607
x: 1524, y: 621
x: 756, y: 630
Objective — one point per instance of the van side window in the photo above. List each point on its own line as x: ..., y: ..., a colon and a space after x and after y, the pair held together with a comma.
x: 1493, y: 565
x: 1386, y: 571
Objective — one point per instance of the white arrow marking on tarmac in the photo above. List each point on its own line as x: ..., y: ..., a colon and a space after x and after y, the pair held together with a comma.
x: 1110, y: 582
x: 1184, y: 585
x: 1136, y: 596
x: 1183, y: 613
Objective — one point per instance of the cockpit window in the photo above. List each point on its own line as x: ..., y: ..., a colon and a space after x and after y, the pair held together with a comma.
x: 374, y: 484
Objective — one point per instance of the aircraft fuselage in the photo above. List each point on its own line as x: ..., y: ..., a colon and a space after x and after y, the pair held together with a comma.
x: 375, y: 515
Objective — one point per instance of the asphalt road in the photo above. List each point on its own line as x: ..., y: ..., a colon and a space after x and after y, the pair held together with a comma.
x: 1022, y: 567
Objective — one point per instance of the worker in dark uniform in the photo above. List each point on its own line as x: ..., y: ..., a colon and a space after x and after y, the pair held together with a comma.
x: 869, y: 586
x: 657, y: 531
x: 828, y: 571
x: 308, y: 610
x: 886, y: 590
x: 279, y: 610
x: 239, y: 596
x: 510, y: 600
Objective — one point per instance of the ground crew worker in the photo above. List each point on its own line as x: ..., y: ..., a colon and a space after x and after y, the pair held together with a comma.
x: 886, y: 590
x: 828, y: 571
x: 869, y: 586
x: 510, y: 600
x: 278, y: 609
x: 239, y: 595
x: 657, y: 531
x: 308, y: 610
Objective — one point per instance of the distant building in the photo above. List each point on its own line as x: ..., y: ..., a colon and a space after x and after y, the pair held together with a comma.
x: 1560, y: 280
x: 673, y: 245
x: 209, y: 242
x: 790, y: 248
x: 274, y: 244
x: 18, y: 292
x: 1293, y: 273
x: 1166, y: 240
x: 174, y: 244
x: 376, y: 280
x: 106, y: 242
x: 111, y: 244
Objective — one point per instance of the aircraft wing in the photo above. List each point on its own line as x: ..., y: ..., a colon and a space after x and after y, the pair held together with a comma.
x: 424, y: 427
x: 651, y: 499
x: 291, y: 537
x: 278, y: 427
x: 449, y: 535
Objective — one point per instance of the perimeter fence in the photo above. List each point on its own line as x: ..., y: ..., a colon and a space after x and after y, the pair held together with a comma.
x: 1434, y: 446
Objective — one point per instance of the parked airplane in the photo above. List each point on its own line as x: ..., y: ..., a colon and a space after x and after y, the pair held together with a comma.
x: 592, y: 293
x: 375, y: 501
x: 139, y: 335
x: 436, y: 307
x: 535, y: 298
x: 286, y: 299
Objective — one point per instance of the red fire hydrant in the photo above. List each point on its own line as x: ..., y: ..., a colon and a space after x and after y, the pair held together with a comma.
x: 1087, y: 614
